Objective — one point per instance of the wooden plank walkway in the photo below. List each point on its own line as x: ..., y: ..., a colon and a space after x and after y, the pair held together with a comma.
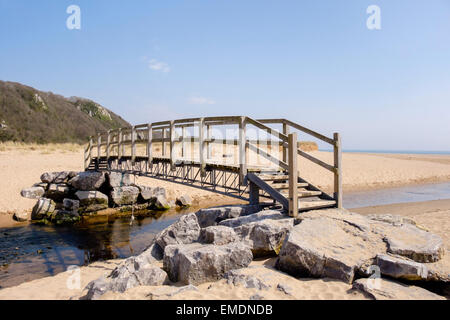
x: 258, y: 164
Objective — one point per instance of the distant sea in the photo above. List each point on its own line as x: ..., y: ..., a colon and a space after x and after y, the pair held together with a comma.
x: 392, y: 151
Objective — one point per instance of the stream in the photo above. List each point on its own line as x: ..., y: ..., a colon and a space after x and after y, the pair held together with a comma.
x: 34, y: 251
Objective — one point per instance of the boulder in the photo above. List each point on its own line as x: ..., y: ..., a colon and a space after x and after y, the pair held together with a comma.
x: 57, y: 192
x: 22, y: 216
x: 185, y: 230
x: 160, y: 203
x: 91, y: 201
x: 71, y: 205
x: 87, y: 181
x: 383, y: 289
x: 218, y: 235
x: 148, y: 194
x: 57, y: 177
x: 43, y: 209
x: 124, y: 195
x: 265, y: 237
x: 184, y: 201
x: 131, y: 273
x: 33, y: 192
x: 328, y: 247
x: 118, y: 179
x: 196, y: 263
x: 259, y: 216
x: 405, y: 269
x: 414, y: 243
x: 212, y: 216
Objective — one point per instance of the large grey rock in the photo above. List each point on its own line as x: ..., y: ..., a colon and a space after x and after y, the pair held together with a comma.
x: 118, y: 179
x: 160, y: 203
x: 218, y: 235
x: 259, y: 216
x: 401, y: 268
x: 414, y: 243
x: 87, y: 181
x: 22, y: 216
x: 196, y: 263
x: 57, y: 177
x: 124, y: 195
x: 131, y: 273
x: 185, y: 230
x: 57, y: 192
x: 43, y: 209
x: 71, y: 205
x: 92, y: 200
x: 405, y: 269
x: 383, y: 289
x: 326, y: 246
x: 184, y: 201
x: 265, y: 237
x: 33, y: 192
x: 149, y: 194
x: 212, y: 216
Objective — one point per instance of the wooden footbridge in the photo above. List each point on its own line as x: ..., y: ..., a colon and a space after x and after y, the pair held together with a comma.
x: 237, y: 156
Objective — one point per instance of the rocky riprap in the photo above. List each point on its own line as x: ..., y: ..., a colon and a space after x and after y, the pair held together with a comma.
x: 220, y: 243
x: 64, y: 197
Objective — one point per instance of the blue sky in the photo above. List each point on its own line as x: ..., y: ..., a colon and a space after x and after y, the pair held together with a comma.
x: 314, y: 62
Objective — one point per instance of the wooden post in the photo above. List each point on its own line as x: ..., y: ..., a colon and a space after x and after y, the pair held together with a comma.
x: 254, y: 193
x: 150, y: 146
x: 337, y: 170
x: 285, y: 151
x: 201, y: 145
x: 108, y: 144
x: 242, y: 151
x: 99, y: 149
x: 163, y: 147
x: 119, y: 144
x: 293, y: 175
x: 183, y: 142
x: 89, y: 154
x: 172, y: 145
x: 209, y: 145
x: 133, y: 144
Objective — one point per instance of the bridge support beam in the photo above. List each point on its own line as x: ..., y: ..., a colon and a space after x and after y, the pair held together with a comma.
x: 253, y: 193
x: 337, y: 170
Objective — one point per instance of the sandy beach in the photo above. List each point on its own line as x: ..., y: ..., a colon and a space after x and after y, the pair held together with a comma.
x: 22, y: 168
x: 432, y: 215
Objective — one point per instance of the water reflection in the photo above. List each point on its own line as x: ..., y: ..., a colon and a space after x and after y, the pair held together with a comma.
x: 34, y: 251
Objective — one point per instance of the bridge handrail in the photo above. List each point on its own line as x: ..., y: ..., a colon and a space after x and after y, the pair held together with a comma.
x: 121, y: 137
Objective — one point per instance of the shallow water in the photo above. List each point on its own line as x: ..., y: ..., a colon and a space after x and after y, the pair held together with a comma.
x: 33, y: 251
x: 416, y: 193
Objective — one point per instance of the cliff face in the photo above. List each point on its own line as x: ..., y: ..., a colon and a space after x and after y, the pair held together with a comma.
x: 30, y: 115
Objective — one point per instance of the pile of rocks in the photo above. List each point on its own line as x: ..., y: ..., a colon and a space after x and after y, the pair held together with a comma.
x: 63, y: 197
x: 212, y: 244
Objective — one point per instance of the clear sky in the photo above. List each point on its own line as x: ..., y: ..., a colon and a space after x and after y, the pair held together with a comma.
x: 314, y: 62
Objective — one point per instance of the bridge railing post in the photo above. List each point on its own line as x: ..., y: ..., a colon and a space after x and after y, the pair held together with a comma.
x: 293, y: 175
x: 172, y: 146
x: 183, y: 142
x: 201, y: 146
x: 108, y: 144
x: 133, y: 144
x: 285, y: 132
x: 163, y: 141
x: 149, y: 146
x: 119, y: 144
x: 337, y: 170
x: 99, y: 149
x: 242, y: 150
